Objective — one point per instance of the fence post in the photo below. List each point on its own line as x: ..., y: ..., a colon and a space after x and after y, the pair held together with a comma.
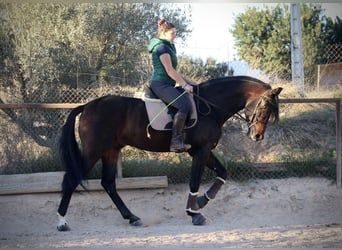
x: 119, y: 166
x: 318, y: 76
x: 338, y: 143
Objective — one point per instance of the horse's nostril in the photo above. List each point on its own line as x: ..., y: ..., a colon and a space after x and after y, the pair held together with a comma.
x: 259, y: 137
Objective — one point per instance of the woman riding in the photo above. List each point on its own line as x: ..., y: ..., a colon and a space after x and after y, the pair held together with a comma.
x: 164, y: 79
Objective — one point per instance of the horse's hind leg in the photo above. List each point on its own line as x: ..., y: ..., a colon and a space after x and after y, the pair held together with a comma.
x: 108, y: 182
x: 68, y: 187
x: 214, y: 164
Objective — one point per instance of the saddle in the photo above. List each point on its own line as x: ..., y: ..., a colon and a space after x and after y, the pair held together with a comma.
x: 161, y: 116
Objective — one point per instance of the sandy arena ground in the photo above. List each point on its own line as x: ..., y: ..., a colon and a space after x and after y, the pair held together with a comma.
x: 305, y: 212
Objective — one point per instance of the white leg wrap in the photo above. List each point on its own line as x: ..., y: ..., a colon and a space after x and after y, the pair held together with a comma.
x: 206, y: 196
x: 222, y: 180
x: 192, y: 211
x: 61, y: 220
x: 193, y: 194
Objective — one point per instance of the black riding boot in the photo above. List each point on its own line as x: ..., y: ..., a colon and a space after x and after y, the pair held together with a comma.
x: 177, y: 141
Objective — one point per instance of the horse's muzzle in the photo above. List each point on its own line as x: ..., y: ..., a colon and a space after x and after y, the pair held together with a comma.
x: 254, y: 135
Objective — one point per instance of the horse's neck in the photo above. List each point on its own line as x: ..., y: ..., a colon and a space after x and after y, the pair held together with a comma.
x: 225, y: 103
x: 232, y: 96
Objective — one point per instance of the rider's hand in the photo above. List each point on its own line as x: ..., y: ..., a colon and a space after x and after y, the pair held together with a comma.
x: 188, y: 88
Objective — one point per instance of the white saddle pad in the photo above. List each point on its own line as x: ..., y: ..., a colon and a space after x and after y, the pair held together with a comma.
x: 161, y: 117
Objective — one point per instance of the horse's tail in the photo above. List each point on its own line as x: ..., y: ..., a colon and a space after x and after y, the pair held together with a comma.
x: 71, y: 155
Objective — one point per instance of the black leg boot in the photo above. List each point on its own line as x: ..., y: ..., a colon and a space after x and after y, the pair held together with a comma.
x: 211, y: 193
x: 177, y: 141
x: 192, y: 210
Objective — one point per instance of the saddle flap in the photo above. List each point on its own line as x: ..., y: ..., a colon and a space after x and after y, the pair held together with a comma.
x: 161, y: 116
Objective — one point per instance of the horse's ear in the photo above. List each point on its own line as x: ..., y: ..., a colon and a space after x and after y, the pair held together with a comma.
x: 276, y: 91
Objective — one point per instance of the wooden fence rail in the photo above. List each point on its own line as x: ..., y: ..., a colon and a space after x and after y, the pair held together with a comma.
x: 335, y: 101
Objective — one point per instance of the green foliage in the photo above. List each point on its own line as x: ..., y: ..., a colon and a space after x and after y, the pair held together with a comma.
x: 52, y: 43
x: 313, y: 38
x: 263, y: 38
x: 200, y: 71
x: 333, y: 30
x: 45, y: 162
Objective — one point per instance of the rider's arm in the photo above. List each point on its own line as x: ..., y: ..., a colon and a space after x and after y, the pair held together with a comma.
x: 166, y: 61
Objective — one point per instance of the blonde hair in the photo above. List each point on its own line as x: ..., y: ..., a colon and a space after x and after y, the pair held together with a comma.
x: 164, y: 26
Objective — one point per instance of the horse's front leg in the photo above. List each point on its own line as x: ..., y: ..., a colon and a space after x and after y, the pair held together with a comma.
x: 197, y: 167
x: 221, y: 172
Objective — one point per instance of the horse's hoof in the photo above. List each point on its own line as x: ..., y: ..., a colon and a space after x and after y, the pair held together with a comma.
x: 198, y: 219
x: 63, y: 227
x: 135, y: 221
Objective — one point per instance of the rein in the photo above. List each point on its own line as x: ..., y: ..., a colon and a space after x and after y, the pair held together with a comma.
x: 208, y: 104
x: 250, y: 122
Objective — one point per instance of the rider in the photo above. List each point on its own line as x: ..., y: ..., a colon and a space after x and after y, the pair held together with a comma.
x: 164, y: 79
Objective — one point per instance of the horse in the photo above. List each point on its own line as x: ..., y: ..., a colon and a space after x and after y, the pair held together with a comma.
x: 109, y: 123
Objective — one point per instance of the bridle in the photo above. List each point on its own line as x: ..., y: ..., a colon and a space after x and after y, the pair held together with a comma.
x: 259, y: 111
x: 252, y: 119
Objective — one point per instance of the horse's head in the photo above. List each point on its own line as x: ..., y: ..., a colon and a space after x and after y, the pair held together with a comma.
x: 260, y: 110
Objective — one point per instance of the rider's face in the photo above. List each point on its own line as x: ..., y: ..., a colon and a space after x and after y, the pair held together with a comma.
x: 170, y: 35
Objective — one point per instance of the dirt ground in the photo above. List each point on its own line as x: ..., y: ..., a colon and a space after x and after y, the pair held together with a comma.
x: 305, y: 212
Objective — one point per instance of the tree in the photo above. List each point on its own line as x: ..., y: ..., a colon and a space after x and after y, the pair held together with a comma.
x: 200, y: 71
x: 54, y: 42
x: 332, y: 42
x: 191, y: 68
x: 122, y: 32
x: 313, y: 38
x: 333, y: 30
x: 47, y: 46
x: 263, y: 38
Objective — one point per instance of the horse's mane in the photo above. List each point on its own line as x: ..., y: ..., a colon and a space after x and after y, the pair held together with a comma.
x: 235, y: 80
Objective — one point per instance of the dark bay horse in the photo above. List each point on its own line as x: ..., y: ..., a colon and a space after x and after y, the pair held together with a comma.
x: 109, y: 123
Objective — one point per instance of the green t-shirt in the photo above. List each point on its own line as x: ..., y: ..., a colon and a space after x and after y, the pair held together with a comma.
x: 157, y: 47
